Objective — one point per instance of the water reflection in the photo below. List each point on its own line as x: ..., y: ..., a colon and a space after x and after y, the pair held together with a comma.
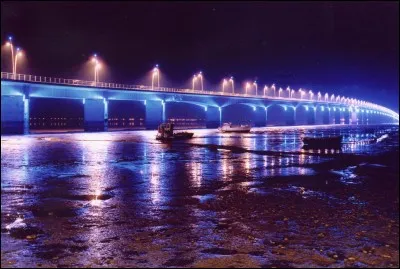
x: 149, y: 186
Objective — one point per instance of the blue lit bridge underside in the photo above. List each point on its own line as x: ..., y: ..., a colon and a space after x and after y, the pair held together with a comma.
x: 15, y: 97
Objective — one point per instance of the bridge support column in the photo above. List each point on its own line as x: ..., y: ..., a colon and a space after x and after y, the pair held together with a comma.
x: 260, y: 117
x: 155, y: 113
x: 290, y: 116
x: 311, y: 116
x: 213, y: 117
x: 95, y: 115
x: 14, y: 114
x: 353, y: 117
x: 332, y: 118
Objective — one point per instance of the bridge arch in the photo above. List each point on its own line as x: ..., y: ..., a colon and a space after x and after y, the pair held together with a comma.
x: 280, y: 114
x: 244, y: 113
x: 186, y: 113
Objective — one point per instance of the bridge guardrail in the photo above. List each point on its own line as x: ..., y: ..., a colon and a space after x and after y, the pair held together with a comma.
x: 108, y: 85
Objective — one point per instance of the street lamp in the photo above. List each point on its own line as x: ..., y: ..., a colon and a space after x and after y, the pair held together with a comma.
x: 319, y: 96
x: 279, y: 93
x: 156, y: 73
x: 19, y: 53
x: 200, y: 75
x: 265, y: 89
x: 224, y: 82
x: 96, y: 67
x: 233, y: 86
x: 193, y: 81
x: 301, y: 93
x: 255, y: 84
x: 273, y: 87
x: 311, y: 94
x: 288, y: 90
x: 291, y: 94
x: 10, y: 44
x: 247, y: 86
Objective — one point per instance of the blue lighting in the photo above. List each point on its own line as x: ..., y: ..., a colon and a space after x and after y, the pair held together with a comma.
x: 254, y: 108
x: 10, y: 38
x: 362, y: 110
x: 306, y: 108
x: 322, y: 108
x: 83, y: 101
x: 144, y: 102
x: 205, y: 108
x: 285, y: 108
x: 95, y: 55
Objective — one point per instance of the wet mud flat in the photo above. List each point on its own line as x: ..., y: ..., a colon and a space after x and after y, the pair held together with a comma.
x: 346, y: 214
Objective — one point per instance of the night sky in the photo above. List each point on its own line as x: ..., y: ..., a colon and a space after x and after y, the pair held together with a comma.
x: 345, y: 48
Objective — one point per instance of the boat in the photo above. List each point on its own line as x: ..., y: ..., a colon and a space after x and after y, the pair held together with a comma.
x: 230, y: 128
x: 323, y: 142
x: 166, y: 133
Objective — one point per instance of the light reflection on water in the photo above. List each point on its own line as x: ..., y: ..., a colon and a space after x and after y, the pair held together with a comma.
x: 134, y: 169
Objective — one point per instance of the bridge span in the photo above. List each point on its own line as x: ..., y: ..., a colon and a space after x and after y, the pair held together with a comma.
x: 17, y: 90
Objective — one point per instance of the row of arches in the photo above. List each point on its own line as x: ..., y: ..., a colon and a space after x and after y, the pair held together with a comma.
x: 46, y: 112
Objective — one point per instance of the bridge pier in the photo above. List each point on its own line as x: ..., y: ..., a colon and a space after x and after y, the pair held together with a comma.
x: 213, y: 117
x: 331, y: 117
x: 14, y: 114
x: 95, y: 115
x: 353, y: 117
x: 155, y: 113
x: 260, y: 117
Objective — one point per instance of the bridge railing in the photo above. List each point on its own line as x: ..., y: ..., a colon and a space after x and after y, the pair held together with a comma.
x: 108, y: 85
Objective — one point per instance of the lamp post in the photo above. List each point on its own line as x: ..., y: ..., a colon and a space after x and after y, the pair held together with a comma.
x: 288, y: 90
x: 19, y: 53
x: 10, y: 44
x: 265, y: 89
x: 255, y: 84
x: 291, y: 94
x: 279, y: 92
x: 96, y: 67
x: 224, y: 82
x: 156, y: 73
x: 200, y: 75
x: 233, y: 86
x: 301, y: 93
x: 247, y: 86
x: 273, y: 87
x: 311, y: 94
x: 193, y: 81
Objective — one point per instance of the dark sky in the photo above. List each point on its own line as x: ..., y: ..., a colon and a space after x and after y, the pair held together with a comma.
x: 344, y: 48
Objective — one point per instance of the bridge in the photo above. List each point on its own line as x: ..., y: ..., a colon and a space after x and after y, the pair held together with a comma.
x: 265, y: 109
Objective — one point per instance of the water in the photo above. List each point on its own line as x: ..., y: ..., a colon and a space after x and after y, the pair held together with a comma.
x: 258, y: 199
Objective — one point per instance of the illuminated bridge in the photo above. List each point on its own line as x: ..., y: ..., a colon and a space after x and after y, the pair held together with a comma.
x: 288, y: 108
